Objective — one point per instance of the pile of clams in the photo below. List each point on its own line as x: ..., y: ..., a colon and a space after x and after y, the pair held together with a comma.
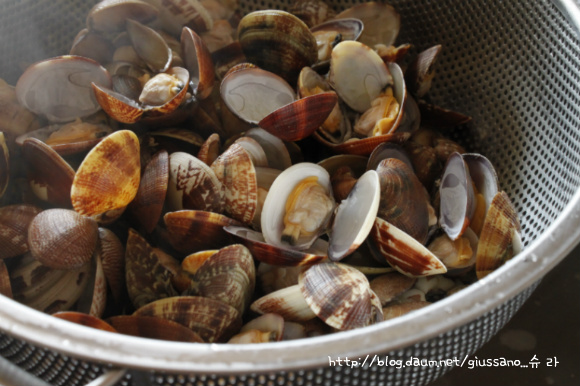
x: 189, y: 173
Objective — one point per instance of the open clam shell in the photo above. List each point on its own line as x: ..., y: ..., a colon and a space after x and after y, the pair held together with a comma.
x: 109, y: 176
x: 212, y: 320
x: 193, y: 185
x: 49, y: 175
x: 456, y: 197
x: 403, y: 252
x: 381, y: 22
x: 276, y: 255
x: 59, y: 88
x: 276, y: 152
x: 422, y: 71
x: 388, y: 150
x: 153, y: 328
x: 274, y: 209
x: 338, y: 294
x: 192, y: 230
x: 198, y: 62
x: 150, y: 46
x: 14, y: 223
x: 500, y: 237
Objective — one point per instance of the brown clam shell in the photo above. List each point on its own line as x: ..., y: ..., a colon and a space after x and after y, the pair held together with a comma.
x: 153, y: 328
x: 193, y: 185
x: 193, y: 230
x: 210, y: 149
x: 147, y: 206
x: 62, y: 238
x: 364, y: 146
x: 4, y: 165
x: 390, y: 285
x: 5, y: 286
x: 439, y: 117
x: 213, y: 320
x: 287, y: 302
x: 85, y: 320
x: 228, y: 275
x: 147, y: 279
x: 312, y: 12
x: 14, y: 223
x: 111, y: 15
x: 403, y: 252
x: 404, y: 200
x: 421, y: 72
x: 425, y: 163
x: 192, y: 262
x: 500, y: 237
x: 228, y: 57
x: 50, y: 176
x: 235, y: 170
x: 277, y: 41
x: 198, y: 62
x: 396, y: 310
x: 109, y: 176
x: 267, y: 323
x: 301, y: 118
x: 117, y: 105
x: 274, y: 255
x: 338, y: 294
x: 112, y: 255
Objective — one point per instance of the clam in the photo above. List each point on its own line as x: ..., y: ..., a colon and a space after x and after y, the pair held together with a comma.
x: 111, y: 15
x: 455, y: 254
x: 253, y: 336
x: 111, y: 252
x: 422, y: 71
x: 49, y: 175
x: 213, y: 320
x: 59, y: 88
x: 436, y: 116
x: 198, y: 62
x: 287, y: 302
x: 276, y: 277
x: 403, y: 252
x: 219, y: 37
x: 191, y: 263
x: 228, y: 57
x: 4, y: 165
x: 399, y: 309
x: 147, y: 205
x: 235, y: 170
x: 191, y: 231
x: 272, y: 323
x: 255, y: 150
x: 425, y: 163
x: 210, y: 149
x: 277, y: 41
x: 404, y: 201
x: 381, y: 22
x: 445, y: 147
x: 388, y: 150
x: 298, y: 206
x: 62, y: 238
x: 330, y: 33
x: 312, y: 12
x: 276, y: 152
x: 147, y: 279
x: 339, y: 295
x: 150, y: 46
x: 14, y: 223
x: 193, y: 185
x: 153, y: 328
x: 109, y: 176
x: 84, y: 320
x: 486, y: 187
x: 456, y: 197
x: 500, y: 237
x: 342, y: 180
x: 92, y: 45
x: 5, y: 286
x: 15, y: 119
x: 390, y: 285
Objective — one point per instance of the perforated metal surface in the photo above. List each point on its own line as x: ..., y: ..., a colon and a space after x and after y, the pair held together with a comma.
x: 513, y: 66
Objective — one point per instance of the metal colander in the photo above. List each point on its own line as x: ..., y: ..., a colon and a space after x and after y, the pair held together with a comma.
x: 514, y: 66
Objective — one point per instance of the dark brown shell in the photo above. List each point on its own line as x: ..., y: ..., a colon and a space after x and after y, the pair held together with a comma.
x: 112, y: 254
x: 421, y: 72
x: 153, y: 328
x: 85, y: 320
x: 391, y: 285
x: 14, y: 223
x: 198, y: 62
x: 213, y: 320
x: 193, y: 230
x: 62, y: 238
x: 5, y: 286
x: 404, y: 200
x: 147, y: 279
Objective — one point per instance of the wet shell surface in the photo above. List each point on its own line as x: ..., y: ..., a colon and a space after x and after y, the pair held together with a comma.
x: 338, y: 294
x: 62, y: 238
x: 109, y: 176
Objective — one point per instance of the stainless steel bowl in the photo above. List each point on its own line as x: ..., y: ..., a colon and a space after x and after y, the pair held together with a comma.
x: 513, y: 66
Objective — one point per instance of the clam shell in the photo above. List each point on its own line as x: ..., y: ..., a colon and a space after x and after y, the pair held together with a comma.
x: 4, y: 165
x: 235, y: 170
x: 212, y: 320
x: 153, y: 328
x: 109, y: 176
x: 94, y: 299
x: 93, y: 46
x: 337, y: 294
x: 439, y: 117
x: 62, y: 238
x: 253, y: 93
x: 267, y: 323
x: 84, y: 320
x: 210, y: 149
x: 253, y: 336
x: 59, y: 88
x: 147, y: 279
x: 422, y: 71
x: 403, y: 252
x: 111, y: 15
x: 425, y: 163
x: 355, y: 216
x: 275, y: 277
x: 277, y: 41
x: 388, y: 150
x: 117, y: 105
x: 381, y: 22
x: 273, y: 211
x: 49, y: 175
x: 287, y: 302
x: 500, y: 237
x: 301, y: 118
x: 198, y: 62
x: 14, y: 223
x: 390, y: 285
x: 273, y: 255
x: 449, y: 252
x: 5, y: 286
x: 357, y: 74
x: 150, y: 46
x: 395, y: 310
x: 193, y: 185
x: 312, y: 12
x: 483, y: 175
x: 192, y: 230
x: 276, y: 152
x: 348, y: 28
x: 112, y: 256
x: 174, y: 14
x: 255, y: 150
x: 228, y: 57
x: 456, y: 197
x: 147, y: 205
x: 404, y: 201
x: 192, y: 262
